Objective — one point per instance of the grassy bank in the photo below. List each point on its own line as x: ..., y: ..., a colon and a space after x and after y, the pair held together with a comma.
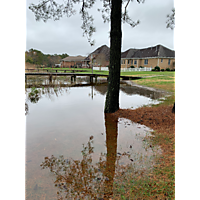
x: 161, y: 80
x: 160, y: 182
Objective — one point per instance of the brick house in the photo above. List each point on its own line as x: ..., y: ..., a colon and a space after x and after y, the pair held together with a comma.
x: 149, y: 57
x: 72, y: 61
x: 100, y: 57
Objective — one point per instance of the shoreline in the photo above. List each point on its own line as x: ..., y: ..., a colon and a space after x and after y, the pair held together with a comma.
x: 162, y: 121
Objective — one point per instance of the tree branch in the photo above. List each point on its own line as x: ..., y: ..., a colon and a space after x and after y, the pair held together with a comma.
x: 126, y: 7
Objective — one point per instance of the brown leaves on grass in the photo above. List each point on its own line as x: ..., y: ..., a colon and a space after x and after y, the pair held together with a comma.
x: 162, y: 121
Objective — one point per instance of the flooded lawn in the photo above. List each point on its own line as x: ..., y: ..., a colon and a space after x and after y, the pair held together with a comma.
x: 61, y: 119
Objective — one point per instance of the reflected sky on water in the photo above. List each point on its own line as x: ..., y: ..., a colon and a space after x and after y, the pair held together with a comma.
x: 62, y: 119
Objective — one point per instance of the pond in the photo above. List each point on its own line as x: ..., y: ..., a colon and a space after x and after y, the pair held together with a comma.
x: 61, y: 117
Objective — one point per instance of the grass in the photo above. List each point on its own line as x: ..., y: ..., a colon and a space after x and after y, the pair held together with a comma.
x: 157, y: 184
x: 160, y: 182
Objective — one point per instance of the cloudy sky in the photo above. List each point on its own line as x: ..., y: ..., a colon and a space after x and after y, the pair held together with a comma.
x: 65, y: 35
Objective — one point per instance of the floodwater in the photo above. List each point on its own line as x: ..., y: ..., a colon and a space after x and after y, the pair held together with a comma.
x: 63, y: 116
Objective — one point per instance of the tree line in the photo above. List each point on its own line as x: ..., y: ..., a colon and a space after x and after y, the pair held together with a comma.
x: 36, y: 57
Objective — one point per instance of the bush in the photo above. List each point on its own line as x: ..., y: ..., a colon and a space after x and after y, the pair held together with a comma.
x: 132, y: 66
x: 141, y: 67
x: 162, y: 70
x: 173, y: 70
x: 153, y: 70
x: 157, y: 68
x: 167, y: 69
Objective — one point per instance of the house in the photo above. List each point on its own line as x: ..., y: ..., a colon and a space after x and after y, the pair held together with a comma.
x: 100, y: 57
x: 73, y: 61
x: 149, y: 57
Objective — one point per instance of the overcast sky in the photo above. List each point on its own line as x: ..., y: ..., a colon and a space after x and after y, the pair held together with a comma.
x: 65, y: 35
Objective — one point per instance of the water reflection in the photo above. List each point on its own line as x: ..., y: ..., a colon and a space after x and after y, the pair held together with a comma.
x: 85, y: 179
x: 111, y: 144
x: 60, y: 119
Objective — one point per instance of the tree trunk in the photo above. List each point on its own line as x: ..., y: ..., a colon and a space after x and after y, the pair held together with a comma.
x: 112, y: 97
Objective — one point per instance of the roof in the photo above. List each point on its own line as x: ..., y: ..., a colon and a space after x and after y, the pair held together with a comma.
x: 156, y: 51
x: 101, y: 50
x: 73, y: 58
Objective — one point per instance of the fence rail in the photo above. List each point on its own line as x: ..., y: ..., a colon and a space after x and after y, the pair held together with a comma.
x: 125, y: 69
x: 136, y: 69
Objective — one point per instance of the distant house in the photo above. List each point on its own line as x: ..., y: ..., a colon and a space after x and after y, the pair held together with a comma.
x: 73, y: 61
x: 100, y: 57
x: 149, y: 57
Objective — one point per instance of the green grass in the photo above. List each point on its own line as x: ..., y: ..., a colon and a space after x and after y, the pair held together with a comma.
x: 158, y: 183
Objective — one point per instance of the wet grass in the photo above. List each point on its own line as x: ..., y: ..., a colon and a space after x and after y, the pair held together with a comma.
x: 165, y: 82
x: 160, y: 182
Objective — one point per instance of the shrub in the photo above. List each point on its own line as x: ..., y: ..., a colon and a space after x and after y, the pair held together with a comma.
x: 157, y: 68
x: 153, y: 70
x: 173, y: 70
x: 162, y: 70
x: 141, y: 67
x: 132, y: 66
x: 167, y: 69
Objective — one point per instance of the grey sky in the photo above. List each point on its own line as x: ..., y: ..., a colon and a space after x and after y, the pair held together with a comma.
x: 65, y: 35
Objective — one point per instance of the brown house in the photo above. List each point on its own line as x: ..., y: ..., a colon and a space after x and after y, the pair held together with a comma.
x: 100, y: 57
x: 149, y: 57
x: 72, y: 61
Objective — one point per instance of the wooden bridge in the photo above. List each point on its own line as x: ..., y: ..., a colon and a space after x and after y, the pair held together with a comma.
x: 74, y: 75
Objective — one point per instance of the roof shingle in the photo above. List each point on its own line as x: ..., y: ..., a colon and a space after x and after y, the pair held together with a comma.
x: 156, y: 51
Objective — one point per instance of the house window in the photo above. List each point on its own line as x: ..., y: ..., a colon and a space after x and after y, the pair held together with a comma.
x: 122, y: 61
x: 130, y: 62
x: 146, y: 61
x: 169, y: 62
x: 135, y: 62
x: 161, y: 60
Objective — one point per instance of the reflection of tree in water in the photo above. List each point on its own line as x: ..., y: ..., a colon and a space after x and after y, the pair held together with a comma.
x: 74, y: 178
x: 82, y: 178
x: 49, y: 92
x: 35, y: 94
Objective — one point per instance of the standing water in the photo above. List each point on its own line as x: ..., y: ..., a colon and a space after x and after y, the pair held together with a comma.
x: 61, y: 117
